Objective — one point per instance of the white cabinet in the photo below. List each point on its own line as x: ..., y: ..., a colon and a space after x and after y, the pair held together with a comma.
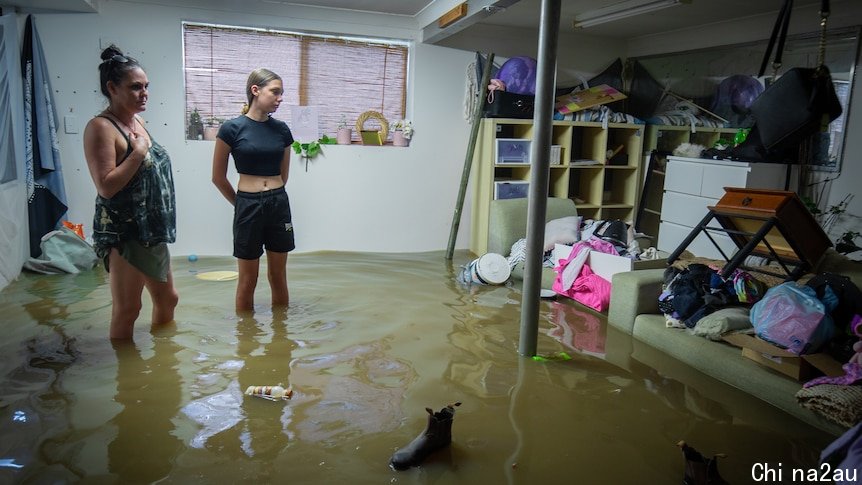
x: 692, y: 184
x: 665, y: 139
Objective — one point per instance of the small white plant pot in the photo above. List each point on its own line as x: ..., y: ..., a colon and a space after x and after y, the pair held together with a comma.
x: 343, y: 136
x: 399, y: 140
x: 210, y: 132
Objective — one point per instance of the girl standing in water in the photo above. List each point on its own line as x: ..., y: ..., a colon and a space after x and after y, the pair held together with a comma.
x: 260, y: 146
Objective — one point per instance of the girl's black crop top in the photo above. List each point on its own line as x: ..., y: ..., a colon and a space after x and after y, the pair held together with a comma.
x: 257, y: 146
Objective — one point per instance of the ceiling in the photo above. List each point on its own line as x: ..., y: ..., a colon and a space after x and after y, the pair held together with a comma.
x: 525, y: 13
x: 520, y: 14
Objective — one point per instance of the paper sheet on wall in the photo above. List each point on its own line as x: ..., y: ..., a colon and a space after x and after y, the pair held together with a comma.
x: 303, y: 124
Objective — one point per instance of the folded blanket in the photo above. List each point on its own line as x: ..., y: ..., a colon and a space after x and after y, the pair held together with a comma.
x: 839, y: 404
x: 600, y: 113
x: 518, y: 253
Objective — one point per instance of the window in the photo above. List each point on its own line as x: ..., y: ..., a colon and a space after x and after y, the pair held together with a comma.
x: 341, y: 76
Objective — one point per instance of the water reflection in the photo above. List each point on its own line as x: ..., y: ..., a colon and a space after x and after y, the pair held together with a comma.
x: 578, y: 329
x: 265, y: 431
x: 355, y: 391
x: 35, y: 404
x: 148, y: 389
x: 230, y: 421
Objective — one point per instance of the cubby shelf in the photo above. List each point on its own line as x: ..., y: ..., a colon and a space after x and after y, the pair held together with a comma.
x: 601, y: 190
x: 666, y: 138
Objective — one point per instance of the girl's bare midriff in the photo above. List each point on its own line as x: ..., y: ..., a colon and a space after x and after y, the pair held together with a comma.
x: 259, y: 183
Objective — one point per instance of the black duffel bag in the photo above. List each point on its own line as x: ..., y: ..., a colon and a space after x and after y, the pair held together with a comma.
x: 794, y: 108
x: 504, y: 104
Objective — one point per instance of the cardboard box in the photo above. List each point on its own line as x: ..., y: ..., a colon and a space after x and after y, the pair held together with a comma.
x: 607, y: 265
x: 800, y: 367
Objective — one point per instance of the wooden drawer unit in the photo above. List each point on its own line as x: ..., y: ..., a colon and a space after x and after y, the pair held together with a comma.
x: 795, y: 236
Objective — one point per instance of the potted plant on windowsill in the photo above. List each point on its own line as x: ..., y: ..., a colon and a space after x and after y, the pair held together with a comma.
x: 211, y: 129
x: 311, y: 149
x: 196, y: 126
x: 402, y: 133
x: 344, y: 133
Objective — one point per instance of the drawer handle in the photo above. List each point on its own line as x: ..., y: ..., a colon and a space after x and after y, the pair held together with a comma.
x: 746, y: 201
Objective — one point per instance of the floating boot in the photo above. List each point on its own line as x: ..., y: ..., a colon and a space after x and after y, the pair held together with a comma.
x: 437, y: 435
x: 698, y: 469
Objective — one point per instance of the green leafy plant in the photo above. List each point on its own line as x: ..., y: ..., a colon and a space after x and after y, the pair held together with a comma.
x: 196, y: 125
x: 830, y: 215
x: 849, y: 237
x: 195, y: 117
x: 342, y: 123
x: 312, y: 148
x: 404, y: 126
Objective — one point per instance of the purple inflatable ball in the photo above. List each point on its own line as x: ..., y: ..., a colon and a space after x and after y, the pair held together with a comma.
x: 519, y: 74
x: 737, y: 91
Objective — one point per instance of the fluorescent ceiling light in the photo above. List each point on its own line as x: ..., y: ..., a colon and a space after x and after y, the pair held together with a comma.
x: 622, y: 10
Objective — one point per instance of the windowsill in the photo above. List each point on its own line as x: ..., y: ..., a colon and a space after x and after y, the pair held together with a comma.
x: 354, y: 143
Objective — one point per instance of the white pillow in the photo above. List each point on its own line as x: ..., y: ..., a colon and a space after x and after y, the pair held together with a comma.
x: 565, y: 230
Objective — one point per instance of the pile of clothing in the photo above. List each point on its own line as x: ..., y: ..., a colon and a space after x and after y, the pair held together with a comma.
x: 568, y: 243
x: 694, y: 292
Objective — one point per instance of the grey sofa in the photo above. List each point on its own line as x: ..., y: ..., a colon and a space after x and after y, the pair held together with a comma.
x: 508, y: 224
x: 634, y: 310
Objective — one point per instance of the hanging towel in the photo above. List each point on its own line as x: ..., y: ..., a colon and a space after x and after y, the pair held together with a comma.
x: 46, y: 195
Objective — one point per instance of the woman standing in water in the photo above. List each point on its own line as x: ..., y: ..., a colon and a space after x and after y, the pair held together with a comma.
x: 135, y: 207
x: 260, y: 146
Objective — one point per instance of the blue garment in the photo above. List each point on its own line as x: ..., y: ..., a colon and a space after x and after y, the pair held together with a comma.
x: 46, y: 194
x: 845, y: 454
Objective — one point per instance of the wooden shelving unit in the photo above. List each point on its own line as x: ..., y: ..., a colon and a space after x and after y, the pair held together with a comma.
x: 666, y: 138
x: 601, y: 190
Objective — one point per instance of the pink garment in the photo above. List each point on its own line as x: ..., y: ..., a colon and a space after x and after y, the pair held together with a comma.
x: 853, y: 374
x: 495, y: 85
x: 588, y: 288
x: 602, y: 246
x: 569, y: 268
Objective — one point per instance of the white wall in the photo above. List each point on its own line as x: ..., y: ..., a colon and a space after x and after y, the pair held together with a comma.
x: 352, y: 198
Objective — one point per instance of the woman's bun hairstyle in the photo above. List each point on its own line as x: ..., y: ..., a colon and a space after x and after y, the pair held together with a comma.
x: 110, y: 52
x: 114, y: 67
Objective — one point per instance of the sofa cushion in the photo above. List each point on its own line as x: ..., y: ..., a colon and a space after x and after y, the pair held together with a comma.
x: 718, y: 323
x: 508, y: 220
x: 565, y: 230
x: 726, y: 363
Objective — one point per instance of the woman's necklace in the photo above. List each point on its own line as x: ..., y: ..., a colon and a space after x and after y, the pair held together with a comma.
x: 132, y: 131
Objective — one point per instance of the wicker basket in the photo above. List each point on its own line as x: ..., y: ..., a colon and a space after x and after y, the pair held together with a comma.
x: 371, y: 137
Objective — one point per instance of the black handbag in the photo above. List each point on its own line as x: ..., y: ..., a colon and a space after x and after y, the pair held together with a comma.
x: 794, y: 107
x: 503, y: 104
